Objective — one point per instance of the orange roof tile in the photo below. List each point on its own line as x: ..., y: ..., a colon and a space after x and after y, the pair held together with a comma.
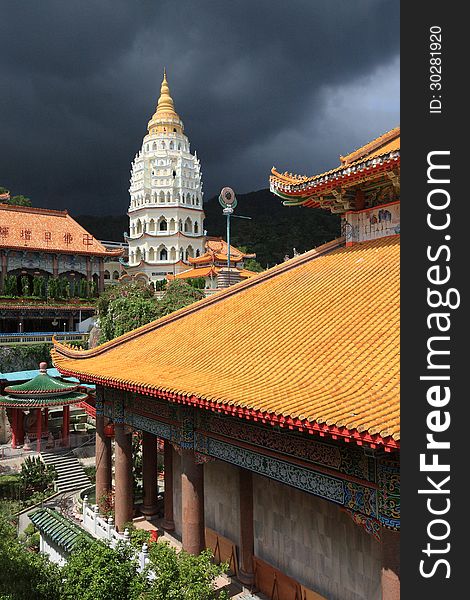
x: 314, y: 340
x: 216, y: 250
x: 41, y: 229
x: 384, y: 143
x: 206, y: 272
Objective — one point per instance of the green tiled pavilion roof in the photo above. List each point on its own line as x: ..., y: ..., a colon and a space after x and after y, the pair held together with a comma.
x: 42, y: 384
x: 42, y: 400
x: 42, y: 390
x: 57, y: 528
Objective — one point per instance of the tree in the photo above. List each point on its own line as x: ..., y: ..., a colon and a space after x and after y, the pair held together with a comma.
x: 124, y: 307
x: 25, y: 286
x: 25, y: 575
x: 125, y: 314
x: 36, y: 476
x: 19, y: 200
x: 253, y: 265
x: 179, y: 575
x: 178, y: 295
x: 95, y: 570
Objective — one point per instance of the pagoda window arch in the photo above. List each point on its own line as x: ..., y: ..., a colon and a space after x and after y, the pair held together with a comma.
x: 188, y: 226
x: 188, y: 199
x: 163, y: 254
x: 197, y: 200
x: 189, y: 252
x: 196, y: 227
x: 172, y: 146
x: 168, y: 197
x: 181, y: 254
x: 115, y: 275
x: 178, y: 197
x: 173, y: 253
x: 151, y: 254
x: 162, y: 224
x: 163, y: 145
x: 161, y: 197
x: 138, y: 255
x: 107, y: 274
x: 172, y: 225
x: 198, y: 253
x: 192, y: 200
x: 152, y: 226
x: 180, y: 225
x: 139, y: 227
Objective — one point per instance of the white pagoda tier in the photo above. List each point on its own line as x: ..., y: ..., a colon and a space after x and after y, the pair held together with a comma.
x: 165, y: 211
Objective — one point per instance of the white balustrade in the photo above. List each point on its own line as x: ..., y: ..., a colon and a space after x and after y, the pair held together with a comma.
x: 103, y: 529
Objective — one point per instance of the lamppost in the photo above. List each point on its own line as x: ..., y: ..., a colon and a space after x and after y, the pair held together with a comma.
x: 228, y: 201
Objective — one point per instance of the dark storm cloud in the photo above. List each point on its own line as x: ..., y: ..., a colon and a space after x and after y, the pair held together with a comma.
x: 257, y: 83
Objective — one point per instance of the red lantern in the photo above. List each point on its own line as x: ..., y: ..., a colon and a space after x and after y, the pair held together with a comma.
x: 109, y: 430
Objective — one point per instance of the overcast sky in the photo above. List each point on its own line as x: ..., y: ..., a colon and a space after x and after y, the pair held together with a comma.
x: 291, y: 83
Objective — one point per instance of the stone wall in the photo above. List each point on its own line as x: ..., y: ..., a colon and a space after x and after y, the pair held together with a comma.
x: 315, y: 542
x: 5, y: 430
x: 221, y: 499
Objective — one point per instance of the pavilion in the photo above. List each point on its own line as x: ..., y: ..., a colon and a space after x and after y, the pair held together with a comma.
x: 278, y: 402
x: 213, y: 265
x: 37, y: 396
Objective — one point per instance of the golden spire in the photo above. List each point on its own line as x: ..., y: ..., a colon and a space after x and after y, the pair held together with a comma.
x: 165, y: 102
x: 165, y: 110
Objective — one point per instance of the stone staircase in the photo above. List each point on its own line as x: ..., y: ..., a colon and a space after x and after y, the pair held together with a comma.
x: 70, y: 473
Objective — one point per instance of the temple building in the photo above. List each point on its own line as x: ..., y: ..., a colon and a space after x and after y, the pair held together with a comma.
x: 213, y: 265
x: 282, y: 433
x: 41, y: 244
x: 165, y: 212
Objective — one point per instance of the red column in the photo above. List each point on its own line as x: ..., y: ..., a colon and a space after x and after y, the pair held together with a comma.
x: 123, y: 499
x: 149, y: 473
x: 20, y: 436
x: 390, y: 541
x: 192, y: 500
x: 66, y: 425
x: 46, y: 421
x: 14, y: 428
x: 168, y: 522
x: 245, y: 571
x: 39, y: 429
x: 103, y: 459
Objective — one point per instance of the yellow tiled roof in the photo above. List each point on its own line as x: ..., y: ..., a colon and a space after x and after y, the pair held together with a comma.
x: 313, y: 342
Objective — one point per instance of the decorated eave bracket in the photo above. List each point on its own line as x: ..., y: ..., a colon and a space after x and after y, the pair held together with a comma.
x: 395, y: 179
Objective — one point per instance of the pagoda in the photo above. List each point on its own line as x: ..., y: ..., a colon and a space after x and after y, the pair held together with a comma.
x: 213, y: 264
x: 165, y: 211
x: 38, y: 395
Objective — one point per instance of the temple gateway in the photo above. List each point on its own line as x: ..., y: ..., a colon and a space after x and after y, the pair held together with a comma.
x: 278, y: 402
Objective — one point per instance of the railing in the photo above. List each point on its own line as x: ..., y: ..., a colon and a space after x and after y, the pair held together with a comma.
x: 10, y: 339
x: 103, y: 529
